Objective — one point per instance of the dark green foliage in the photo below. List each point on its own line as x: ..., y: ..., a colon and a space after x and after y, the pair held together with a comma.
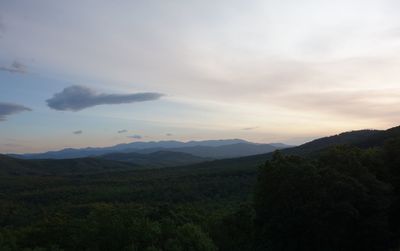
x: 334, y: 203
x: 336, y: 199
x: 20, y: 167
x: 7, y: 241
x: 191, y: 238
x: 392, y: 158
x: 155, y: 159
x: 234, y: 231
x: 158, y: 209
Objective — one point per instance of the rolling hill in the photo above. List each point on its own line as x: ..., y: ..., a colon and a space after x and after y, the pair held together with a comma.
x: 155, y: 159
x: 73, y: 195
x: 115, y: 162
x: 106, y: 163
x: 360, y: 138
x: 221, y: 152
x: 13, y: 166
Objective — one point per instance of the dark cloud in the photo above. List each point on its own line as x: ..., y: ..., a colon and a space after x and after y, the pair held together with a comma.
x: 15, y: 67
x: 168, y: 134
x: 78, y: 132
x: 122, y: 131
x: 9, y: 109
x: 135, y: 136
x: 250, y: 128
x: 76, y: 98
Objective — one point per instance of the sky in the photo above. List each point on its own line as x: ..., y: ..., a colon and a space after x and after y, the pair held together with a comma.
x: 98, y: 73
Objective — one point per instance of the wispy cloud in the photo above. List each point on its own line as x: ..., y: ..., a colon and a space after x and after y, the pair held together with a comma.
x: 7, y: 109
x: 135, y: 136
x: 224, y: 66
x: 77, y: 132
x: 122, y: 131
x: 374, y: 103
x: 12, y: 145
x: 249, y: 128
x: 76, y: 98
x: 15, y: 67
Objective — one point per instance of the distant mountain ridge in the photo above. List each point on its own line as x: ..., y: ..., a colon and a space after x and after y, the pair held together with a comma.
x: 108, y: 163
x: 361, y: 138
x: 222, y: 152
x: 154, y: 146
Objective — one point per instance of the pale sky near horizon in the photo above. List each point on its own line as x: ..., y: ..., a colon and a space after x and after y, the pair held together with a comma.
x: 99, y: 73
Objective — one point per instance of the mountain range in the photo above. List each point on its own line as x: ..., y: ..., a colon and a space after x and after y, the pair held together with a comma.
x: 360, y: 138
x: 216, y: 149
x: 131, y: 160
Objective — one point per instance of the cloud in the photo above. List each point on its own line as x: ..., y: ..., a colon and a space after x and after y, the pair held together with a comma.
x: 2, y: 27
x: 122, y: 131
x: 135, y: 136
x: 12, y: 145
x: 223, y: 61
x: 249, y: 128
x: 76, y: 98
x: 9, y: 109
x: 15, y: 67
x: 78, y: 132
x: 374, y: 103
x: 168, y: 134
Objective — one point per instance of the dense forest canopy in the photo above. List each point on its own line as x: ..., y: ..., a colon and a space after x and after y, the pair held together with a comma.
x: 341, y: 197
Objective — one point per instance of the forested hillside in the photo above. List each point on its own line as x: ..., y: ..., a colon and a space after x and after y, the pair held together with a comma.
x: 13, y: 166
x: 331, y: 197
x: 155, y: 159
